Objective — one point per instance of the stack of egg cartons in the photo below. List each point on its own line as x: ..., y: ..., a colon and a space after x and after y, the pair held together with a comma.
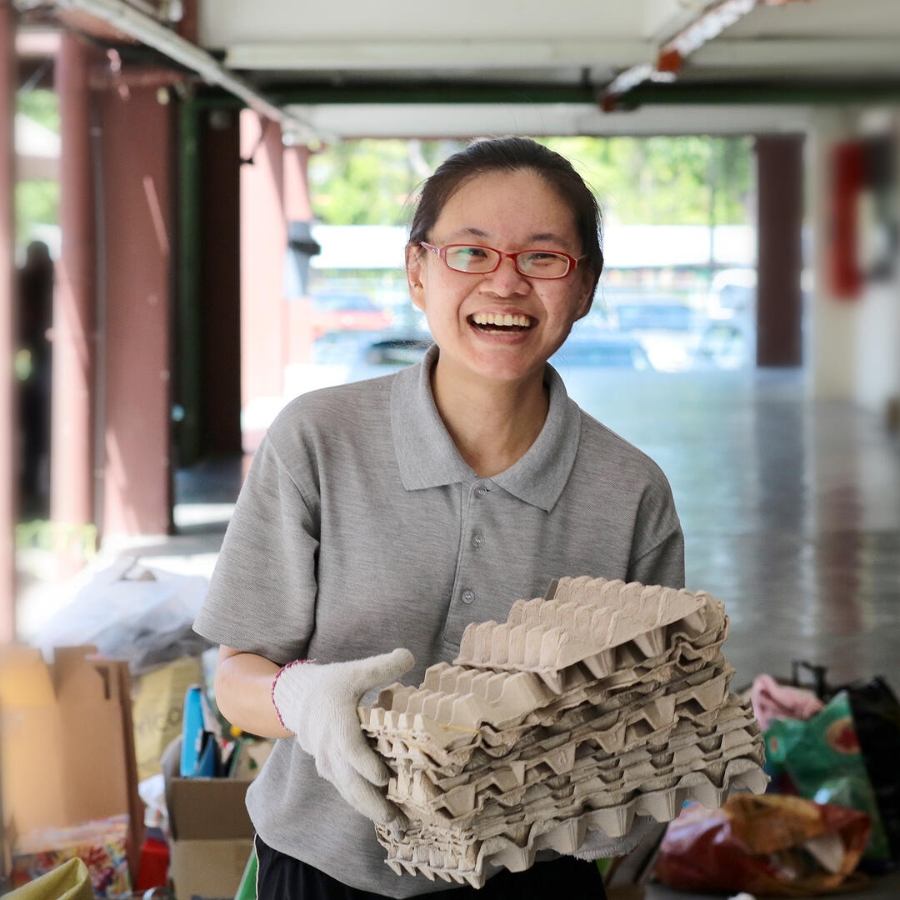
x: 604, y: 702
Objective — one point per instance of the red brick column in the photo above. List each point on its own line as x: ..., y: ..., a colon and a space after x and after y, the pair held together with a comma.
x: 8, y: 424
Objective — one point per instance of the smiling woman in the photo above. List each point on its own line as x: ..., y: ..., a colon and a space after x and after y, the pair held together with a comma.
x: 380, y: 518
x: 498, y: 315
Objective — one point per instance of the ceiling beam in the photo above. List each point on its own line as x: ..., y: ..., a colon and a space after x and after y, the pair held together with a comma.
x: 146, y: 29
x: 355, y: 55
x: 706, y: 25
x: 466, y: 121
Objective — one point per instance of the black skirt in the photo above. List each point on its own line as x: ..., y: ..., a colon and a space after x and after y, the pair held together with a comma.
x: 281, y: 877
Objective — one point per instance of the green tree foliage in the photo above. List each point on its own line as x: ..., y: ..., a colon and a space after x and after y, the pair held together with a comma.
x: 692, y: 180
x: 370, y: 182
x: 37, y: 202
x: 40, y: 105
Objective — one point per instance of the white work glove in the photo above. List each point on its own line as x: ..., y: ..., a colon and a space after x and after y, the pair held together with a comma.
x: 318, y: 704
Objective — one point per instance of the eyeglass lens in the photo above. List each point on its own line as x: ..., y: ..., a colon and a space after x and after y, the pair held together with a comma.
x: 536, y: 263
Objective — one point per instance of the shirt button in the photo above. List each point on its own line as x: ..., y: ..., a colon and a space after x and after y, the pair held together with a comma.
x: 481, y: 492
x: 477, y: 540
x: 468, y: 596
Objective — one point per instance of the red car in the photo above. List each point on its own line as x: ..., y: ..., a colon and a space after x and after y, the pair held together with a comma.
x: 346, y: 312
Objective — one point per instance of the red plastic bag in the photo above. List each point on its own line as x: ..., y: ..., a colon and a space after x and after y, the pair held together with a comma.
x: 767, y: 845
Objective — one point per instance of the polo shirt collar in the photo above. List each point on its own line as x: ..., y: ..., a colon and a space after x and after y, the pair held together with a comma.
x: 428, y: 457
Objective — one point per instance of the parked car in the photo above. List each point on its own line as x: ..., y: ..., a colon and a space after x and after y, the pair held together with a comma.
x: 603, y: 348
x: 729, y: 339
x: 346, y: 312
x: 398, y: 350
x: 666, y: 326
x: 609, y: 349
x: 653, y: 316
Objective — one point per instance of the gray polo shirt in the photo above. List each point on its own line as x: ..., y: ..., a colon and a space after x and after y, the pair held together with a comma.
x: 360, y: 529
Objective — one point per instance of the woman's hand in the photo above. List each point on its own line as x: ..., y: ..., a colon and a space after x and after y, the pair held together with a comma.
x: 318, y: 704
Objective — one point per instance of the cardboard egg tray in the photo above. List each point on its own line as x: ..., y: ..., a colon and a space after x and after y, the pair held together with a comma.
x: 683, y: 751
x: 441, y: 799
x: 550, y: 636
x: 602, y: 702
x: 437, y: 851
x: 593, y: 785
x: 465, y: 697
x: 615, y: 718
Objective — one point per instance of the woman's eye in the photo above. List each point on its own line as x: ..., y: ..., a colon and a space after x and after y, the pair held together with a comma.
x: 472, y: 252
x: 542, y: 261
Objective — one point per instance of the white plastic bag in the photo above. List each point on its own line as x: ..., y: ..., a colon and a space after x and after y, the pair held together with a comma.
x: 132, y: 612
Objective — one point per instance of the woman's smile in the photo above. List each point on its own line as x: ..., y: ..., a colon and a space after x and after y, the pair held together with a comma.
x: 501, y: 323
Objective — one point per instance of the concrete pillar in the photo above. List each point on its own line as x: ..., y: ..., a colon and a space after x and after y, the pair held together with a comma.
x: 219, y: 297
x: 298, y: 212
x: 188, y: 27
x: 8, y: 423
x: 135, y: 310
x: 780, y: 256
x: 71, y: 472
x: 297, y: 206
x: 832, y: 335
x: 263, y: 242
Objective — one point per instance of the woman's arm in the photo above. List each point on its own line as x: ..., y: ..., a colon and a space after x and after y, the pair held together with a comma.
x: 244, y: 692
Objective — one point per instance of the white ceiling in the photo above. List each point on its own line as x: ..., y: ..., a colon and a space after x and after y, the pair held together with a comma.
x: 472, y: 67
x: 533, y: 36
x: 404, y: 44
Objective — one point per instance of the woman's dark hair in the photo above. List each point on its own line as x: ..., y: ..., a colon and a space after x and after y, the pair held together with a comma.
x: 512, y: 154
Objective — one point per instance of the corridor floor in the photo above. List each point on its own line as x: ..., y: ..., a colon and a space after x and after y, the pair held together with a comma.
x: 791, y: 514
x: 790, y: 508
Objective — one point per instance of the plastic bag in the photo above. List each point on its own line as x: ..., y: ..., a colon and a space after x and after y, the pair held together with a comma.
x: 876, y: 714
x: 822, y: 759
x: 781, y: 846
x: 132, y: 612
x: 69, y: 881
x: 860, y: 734
x: 773, y: 700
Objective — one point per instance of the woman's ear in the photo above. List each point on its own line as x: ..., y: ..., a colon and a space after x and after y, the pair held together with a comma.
x: 588, y: 286
x: 414, y: 273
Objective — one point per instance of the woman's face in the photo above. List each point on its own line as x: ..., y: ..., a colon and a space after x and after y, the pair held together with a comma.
x: 508, y: 211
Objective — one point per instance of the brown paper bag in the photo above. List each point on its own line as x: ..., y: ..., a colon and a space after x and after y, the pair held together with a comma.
x: 770, y: 845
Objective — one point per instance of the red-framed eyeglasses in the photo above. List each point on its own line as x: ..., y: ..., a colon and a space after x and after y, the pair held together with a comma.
x: 474, y: 259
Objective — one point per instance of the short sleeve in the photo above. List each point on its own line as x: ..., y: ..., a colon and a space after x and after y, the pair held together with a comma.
x: 663, y: 564
x: 658, y: 547
x: 262, y: 594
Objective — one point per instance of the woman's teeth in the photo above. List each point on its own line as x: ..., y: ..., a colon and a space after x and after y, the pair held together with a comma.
x: 504, y: 320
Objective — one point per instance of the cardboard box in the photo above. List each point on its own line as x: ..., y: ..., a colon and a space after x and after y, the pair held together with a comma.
x: 208, y: 809
x: 158, y: 708
x: 212, y: 835
x: 208, y: 870
x: 66, y: 742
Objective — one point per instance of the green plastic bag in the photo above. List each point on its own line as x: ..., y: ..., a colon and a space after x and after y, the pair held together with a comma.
x: 247, y: 888
x: 821, y: 756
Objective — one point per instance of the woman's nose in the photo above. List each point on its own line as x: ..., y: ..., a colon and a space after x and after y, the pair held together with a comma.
x: 506, y: 279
